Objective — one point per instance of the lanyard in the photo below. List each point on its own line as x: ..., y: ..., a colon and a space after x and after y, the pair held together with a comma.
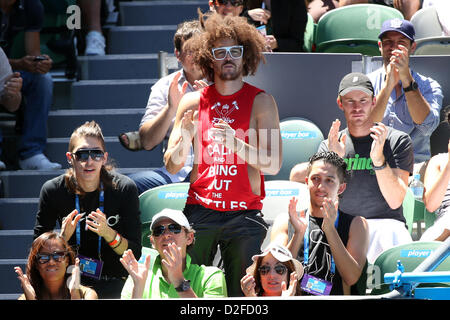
x: 101, y: 200
x: 306, y: 243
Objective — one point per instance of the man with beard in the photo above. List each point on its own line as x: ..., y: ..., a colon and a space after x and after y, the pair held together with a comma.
x: 234, y: 129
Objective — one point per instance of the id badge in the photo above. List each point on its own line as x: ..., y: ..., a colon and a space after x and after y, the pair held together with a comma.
x: 316, y: 286
x: 90, y: 267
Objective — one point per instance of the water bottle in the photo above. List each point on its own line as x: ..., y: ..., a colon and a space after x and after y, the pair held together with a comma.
x: 416, y: 187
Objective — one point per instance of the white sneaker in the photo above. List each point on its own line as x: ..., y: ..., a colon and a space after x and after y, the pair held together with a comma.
x: 38, y: 162
x: 2, y: 165
x: 95, y: 44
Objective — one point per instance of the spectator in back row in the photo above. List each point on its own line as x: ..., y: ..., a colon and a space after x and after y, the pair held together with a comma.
x: 406, y: 100
x: 284, y: 20
x: 37, y: 88
x: 379, y: 161
x: 91, y: 19
x: 318, y: 7
x: 157, y: 122
x: 10, y: 91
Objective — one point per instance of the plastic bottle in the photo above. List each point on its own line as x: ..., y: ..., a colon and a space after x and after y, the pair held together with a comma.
x: 416, y: 187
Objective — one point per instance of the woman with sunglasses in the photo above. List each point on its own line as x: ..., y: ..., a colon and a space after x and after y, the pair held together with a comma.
x: 97, y: 209
x: 52, y: 271
x: 273, y: 273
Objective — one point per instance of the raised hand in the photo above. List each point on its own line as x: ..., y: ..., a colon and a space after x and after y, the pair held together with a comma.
x: 173, y: 261
x: 329, y: 209
x: 248, y: 285
x: 289, y: 292
x: 97, y: 223
x: 28, y: 289
x: 400, y: 62
x: 378, y: 134
x: 137, y: 271
x: 175, y: 94
x: 69, y: 224
x: 73, y: 283
x: 334, y: 144
x: 199, y: 84
x: 188, y: 126
x: 297, y: 219
x: 222, y: 133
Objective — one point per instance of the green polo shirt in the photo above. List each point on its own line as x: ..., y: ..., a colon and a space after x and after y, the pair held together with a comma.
x: 207, y: 282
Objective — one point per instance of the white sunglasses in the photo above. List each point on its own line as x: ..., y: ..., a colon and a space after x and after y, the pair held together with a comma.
x: 235, y: 52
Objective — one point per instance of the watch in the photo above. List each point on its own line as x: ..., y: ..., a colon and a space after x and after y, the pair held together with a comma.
x: 412, y: 87
x: 184, y: 286
x: 384, y: 165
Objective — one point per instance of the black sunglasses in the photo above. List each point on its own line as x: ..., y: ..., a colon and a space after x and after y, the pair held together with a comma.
x: 234, y: 3
x: 56, y: 256
x: 159, y: 230
x: 279, y: 268
x: 83, y: 155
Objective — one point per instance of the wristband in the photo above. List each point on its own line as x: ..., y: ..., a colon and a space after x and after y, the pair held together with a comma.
x: 116, y: 240
x: 384, y: 165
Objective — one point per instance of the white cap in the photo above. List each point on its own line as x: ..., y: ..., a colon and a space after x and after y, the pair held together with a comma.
x: 174, y: 215
x: 282, y: 254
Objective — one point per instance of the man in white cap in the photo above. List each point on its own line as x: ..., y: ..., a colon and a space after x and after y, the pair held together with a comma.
x: 406, y: 100
x: 379, y: 160
x: 171, y: 274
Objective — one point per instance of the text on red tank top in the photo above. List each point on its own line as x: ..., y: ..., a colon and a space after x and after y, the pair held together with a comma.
x: 222, y: 180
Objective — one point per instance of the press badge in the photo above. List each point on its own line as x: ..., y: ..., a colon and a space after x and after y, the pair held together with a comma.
x: 90, y: 267
x: 316, y: 286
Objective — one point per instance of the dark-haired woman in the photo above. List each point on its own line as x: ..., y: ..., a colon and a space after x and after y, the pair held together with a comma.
x: 47, y: 276
x: 273, y: 273
x: 97, y: 209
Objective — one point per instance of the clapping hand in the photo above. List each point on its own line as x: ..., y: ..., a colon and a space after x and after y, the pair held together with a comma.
x: 173, y: 262
x: 248, y: 285
x: 334, y: 144
x: 297, y: 219
x: 291, y: 291
x: 137, y: 271
x: 329, y: 209
x: 74, y: 281
x: 69, y: 224
x: 378, y: 134
x: 222, y: 133
x: 28, y: 289
x: 175, y: 94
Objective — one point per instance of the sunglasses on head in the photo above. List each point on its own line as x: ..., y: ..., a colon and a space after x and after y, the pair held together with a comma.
x: 173, y: 228
x: 235, y: 52
x: 234, y: 3
x: 56, y: 256
x: 279, y: 268
x: 84, y: 154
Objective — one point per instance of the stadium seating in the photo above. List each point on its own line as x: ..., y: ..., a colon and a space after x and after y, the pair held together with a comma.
x: 152, y: 201
x: 300, y: 140
x: 353, y: 29
x: 429, y: 33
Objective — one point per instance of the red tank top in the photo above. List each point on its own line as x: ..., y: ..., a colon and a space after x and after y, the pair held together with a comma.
x: 222, y: 181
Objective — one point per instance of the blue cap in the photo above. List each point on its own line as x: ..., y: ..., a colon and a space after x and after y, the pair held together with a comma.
x: 403, y: 26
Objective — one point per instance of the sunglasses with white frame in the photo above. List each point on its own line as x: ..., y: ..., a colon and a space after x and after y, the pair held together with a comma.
x: 235, y: 52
